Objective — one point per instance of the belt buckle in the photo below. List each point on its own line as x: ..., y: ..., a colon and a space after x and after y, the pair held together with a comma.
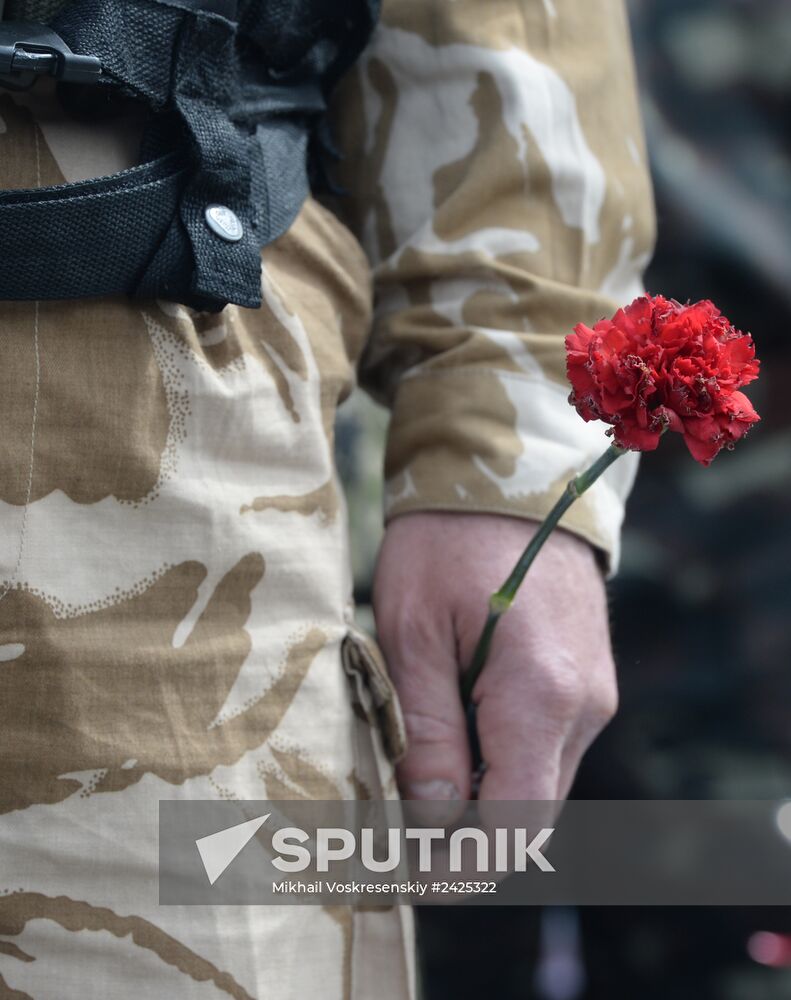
x: 29, y: 50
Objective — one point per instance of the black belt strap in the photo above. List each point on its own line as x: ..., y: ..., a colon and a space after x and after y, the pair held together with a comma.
x: 53, y: 238
x: 182, y: 55
x: 244, y: 133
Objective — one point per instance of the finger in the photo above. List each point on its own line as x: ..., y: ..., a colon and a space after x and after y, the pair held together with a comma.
x: 601, y: 705
x: 528, y: 701
x: 421, y: 656
x: 523, y: 753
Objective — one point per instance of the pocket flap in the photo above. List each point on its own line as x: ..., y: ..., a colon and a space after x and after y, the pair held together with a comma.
x: 362, y: 659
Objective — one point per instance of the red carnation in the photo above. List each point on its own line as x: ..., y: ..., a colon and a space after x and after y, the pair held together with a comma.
x: 658, y: 365
x: 655, y: 366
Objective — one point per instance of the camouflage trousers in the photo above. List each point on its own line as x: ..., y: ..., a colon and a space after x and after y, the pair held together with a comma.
x: 175, y: 614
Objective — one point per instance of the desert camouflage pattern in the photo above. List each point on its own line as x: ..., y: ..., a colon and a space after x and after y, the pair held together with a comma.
x: 175, y: 613
x: 497, y: 175
x: 175, y: 593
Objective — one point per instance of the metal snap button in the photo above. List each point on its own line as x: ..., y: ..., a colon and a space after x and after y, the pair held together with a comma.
x: 225, y: 223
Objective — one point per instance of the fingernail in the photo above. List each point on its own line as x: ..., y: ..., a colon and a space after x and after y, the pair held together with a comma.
x: 437, y: 789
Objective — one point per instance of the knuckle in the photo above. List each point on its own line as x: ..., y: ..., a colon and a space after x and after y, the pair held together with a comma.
x: 603, y: 702
x: 562, y: 691
x: 429, y: 728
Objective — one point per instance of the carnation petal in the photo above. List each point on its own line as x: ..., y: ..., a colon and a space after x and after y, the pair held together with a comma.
x: 702, y: 451
x: 660, y: 365
x: 637, y: 439
x: 740, y: 407
x: 580, y: 339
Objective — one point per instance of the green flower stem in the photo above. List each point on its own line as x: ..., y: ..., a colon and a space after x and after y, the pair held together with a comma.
x: 502, y: 599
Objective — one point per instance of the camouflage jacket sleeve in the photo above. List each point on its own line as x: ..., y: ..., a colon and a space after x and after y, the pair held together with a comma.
x: 495, y: 172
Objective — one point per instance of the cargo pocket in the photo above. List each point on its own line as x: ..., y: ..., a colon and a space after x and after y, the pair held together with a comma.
x: 375, y: 704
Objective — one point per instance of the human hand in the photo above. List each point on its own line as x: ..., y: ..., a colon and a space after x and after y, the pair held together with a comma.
x: 548, y: 687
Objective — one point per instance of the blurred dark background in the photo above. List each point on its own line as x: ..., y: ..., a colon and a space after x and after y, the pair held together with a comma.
x: 702, y: 603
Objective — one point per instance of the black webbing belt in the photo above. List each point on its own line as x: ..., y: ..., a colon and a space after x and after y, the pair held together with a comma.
x: 233, y: 106
x: 52, y: 239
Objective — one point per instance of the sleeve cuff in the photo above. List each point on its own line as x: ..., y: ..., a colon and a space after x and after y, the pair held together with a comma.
x: 501, y: 442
